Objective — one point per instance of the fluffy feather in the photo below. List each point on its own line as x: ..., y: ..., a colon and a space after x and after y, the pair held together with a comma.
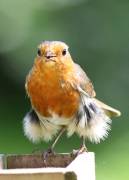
x: 43, y: 128
x: 91, y: 121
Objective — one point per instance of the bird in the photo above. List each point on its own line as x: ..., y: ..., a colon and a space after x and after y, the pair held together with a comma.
x: 63, y: 99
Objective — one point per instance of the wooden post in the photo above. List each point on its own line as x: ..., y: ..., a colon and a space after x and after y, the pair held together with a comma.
x: 58, y: 167
x: 2, y: 161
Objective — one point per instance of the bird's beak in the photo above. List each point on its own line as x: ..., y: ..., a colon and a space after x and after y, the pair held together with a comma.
x: 50, y: 56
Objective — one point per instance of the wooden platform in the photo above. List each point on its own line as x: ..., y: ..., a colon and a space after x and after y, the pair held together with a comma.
x: 57, y: 167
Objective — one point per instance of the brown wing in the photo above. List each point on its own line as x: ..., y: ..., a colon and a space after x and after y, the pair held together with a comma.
x: 84, y: 82
x: 86, y: 86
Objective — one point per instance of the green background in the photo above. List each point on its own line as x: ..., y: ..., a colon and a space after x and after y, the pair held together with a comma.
x: 97, y: 32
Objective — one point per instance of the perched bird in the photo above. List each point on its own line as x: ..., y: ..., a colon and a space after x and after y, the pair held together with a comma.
x: 63, y: 99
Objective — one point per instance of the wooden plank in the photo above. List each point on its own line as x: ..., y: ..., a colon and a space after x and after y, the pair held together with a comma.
x: 37, y: 174
x: 37, y: 161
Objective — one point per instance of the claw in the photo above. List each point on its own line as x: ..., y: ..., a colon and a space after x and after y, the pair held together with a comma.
x: 82, y: 149
x: 76, y: 152
x: 46, y: 155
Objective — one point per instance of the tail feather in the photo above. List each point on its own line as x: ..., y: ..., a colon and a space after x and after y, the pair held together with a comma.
x: 111, y: 112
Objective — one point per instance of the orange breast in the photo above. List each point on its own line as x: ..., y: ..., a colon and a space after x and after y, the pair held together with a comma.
x: 47, y: 94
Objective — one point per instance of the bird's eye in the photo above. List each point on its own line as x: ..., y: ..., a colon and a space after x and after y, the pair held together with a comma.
x: 39, y: 52
x: 64, y: 52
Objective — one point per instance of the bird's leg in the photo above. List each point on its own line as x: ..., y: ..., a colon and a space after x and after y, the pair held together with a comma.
x: 83, y: 145
x: 82, y: 149
x: 58, y: 137
x: 50, y: 150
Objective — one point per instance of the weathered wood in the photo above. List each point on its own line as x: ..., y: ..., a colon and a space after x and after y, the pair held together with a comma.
x: 37, y: 161
x: 81, y: 168
x: 37, y: 174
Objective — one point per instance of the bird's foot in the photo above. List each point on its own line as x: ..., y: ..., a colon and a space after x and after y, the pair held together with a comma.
x: 76, y: 152
x: 46, y: 154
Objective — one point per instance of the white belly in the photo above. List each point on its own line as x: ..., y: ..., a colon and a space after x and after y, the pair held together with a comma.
x: 51, y: 125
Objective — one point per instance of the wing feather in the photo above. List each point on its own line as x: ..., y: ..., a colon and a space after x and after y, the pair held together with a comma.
x: 111, y: 112
x: 84, y: 82
x: 86, y: 87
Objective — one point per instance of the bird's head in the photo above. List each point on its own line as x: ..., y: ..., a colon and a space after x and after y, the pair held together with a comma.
x: 53, y: 53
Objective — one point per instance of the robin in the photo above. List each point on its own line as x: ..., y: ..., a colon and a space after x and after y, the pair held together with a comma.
x: 63, y: 99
